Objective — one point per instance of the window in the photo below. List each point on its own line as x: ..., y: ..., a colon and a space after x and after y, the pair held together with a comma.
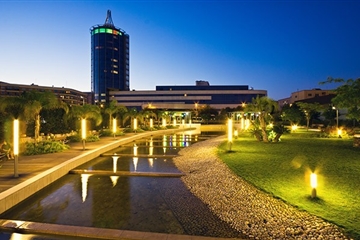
x: 309, y: 94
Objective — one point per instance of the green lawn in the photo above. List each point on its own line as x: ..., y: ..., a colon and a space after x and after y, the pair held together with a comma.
x: 283, y: 169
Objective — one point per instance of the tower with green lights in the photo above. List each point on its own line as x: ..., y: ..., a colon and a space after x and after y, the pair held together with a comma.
x: 109, y: 60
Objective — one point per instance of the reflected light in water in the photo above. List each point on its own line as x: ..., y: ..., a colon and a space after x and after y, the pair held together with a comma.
x: 151, y: 162
x: 114, y: 180
x: 115, y: 158
x: 151, y: 147
x: 164, y: 144
x: 135, y: 162
x: 84, y: 185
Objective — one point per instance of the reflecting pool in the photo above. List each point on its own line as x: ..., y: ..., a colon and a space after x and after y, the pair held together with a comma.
x: 138, y: 203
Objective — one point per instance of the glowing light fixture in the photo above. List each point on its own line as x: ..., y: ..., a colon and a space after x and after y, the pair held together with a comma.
x: 164, y: 122
x: 151, y: 123
x: 114, y: 126
x: 313, y: 184
x: 230, y: 133
x: 83, y: 131
x: 16, y: 147
x: 294, y: 127
x: 174, y: 122
x: 135, y: 124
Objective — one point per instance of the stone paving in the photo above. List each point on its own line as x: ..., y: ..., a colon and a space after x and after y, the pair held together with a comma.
x: 247, y: 209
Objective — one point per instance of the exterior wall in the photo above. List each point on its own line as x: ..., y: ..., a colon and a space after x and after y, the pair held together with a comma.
x: 185, y: 99
x: 307, y: 94
x: 67, y: 95
x: 109, y: 61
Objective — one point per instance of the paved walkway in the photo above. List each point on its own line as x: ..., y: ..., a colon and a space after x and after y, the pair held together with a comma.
x: 30, y: 166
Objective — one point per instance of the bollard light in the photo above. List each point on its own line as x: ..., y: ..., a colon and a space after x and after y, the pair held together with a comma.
x: 114, y: 126
x: 135, y: 124
x: 83, y: 131
x: 313, y: 184
x: 16, y: 147
x: 230, y: 133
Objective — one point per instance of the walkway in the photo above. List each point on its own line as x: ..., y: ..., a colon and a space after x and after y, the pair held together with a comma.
x: 32, y: 166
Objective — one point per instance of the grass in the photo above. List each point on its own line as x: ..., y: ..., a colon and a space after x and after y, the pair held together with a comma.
x: 283, y: 169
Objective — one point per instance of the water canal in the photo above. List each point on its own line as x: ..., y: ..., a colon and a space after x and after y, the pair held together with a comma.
x: 133, y: 187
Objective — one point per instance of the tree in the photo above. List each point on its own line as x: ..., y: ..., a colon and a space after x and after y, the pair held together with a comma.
x: 29, y: 105
x: 264, y: 106
x: 309, y: 110
x: 207, y: 113
x: 347, y: 96
x: 292, y: 113
x: 111, y: 109
x: 86, y: 111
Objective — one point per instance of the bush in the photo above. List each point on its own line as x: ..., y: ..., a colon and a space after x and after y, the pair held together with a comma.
x: 34, y: 148
x: 108, y: 133
x: 77, y: 138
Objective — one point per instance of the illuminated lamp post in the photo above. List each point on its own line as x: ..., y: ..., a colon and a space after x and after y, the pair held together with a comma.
x: 230, y: 134
x: 114, y: 126
x: 135, y: 124
x: 164, y: 122
x: 313, y: 184
x: 151, y: 123
x: 16, y: 147
x: 83, y: 132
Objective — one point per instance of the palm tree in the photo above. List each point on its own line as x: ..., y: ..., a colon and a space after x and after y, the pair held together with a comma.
x: 112, y: 109
x: 29, y: 105
x: 264, y: 106
x: 86, y: 111
x: 131, y: 114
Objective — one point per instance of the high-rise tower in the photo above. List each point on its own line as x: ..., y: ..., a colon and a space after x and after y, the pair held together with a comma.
x: 109, y: 60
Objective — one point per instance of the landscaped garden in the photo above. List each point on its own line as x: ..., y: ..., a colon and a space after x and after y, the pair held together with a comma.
x: 283, y: 169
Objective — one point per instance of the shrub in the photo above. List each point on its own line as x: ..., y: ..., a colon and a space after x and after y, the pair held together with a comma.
x: 47, y: 146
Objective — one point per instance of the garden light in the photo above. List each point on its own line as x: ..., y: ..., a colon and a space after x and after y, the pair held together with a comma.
x: 174, y: 122
x: 230, y: 134
x: 294, y: 127
x: 83, y: 131
x: 114, y: 126
x: 313, y: 184
x: 151, y: 123
x: 135, y: 124
x: 339, y: 132
x: 163, y: 122
x: 16, y: 147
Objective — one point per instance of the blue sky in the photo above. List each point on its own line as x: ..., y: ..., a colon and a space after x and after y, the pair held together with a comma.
x: 278, y: 46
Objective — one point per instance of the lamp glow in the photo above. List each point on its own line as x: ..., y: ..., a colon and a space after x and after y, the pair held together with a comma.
x: 151, y: 123
x: 230, y: 133
x: 83, y: 128
x: 164, y: 122
x: 230, y: 127
x: 114, y: 126
x: 313, y: 184
x: 16, y: 147
x: 83, y: 131
x: 135, y: 123
x: 294, y: 127
x: 174, y: 122
x: 16, y: 137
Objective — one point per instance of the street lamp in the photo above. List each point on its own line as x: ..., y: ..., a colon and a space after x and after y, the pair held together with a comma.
x: 114, y: 126
x: 337, y: 116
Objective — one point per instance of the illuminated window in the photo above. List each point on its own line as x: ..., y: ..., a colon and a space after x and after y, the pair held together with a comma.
x: 103, y: 94
x: 102, y: 30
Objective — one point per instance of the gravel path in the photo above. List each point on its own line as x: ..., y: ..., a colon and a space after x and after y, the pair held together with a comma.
x: 247, y: 209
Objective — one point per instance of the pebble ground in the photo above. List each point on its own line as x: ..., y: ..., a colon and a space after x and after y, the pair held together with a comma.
x: 257, y: 215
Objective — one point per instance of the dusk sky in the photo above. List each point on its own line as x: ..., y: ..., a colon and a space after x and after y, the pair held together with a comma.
x: 278, y: 46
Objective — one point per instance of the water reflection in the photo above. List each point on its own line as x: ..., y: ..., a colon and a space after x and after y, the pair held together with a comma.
x: 132, y: 203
